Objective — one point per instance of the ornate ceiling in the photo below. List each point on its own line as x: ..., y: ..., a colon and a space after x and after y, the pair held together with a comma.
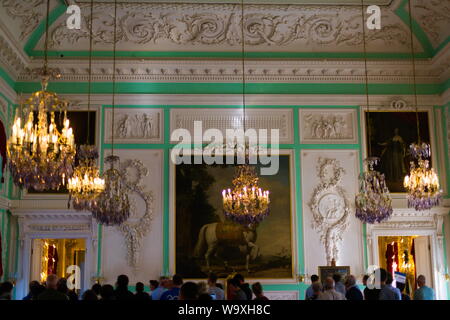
x: 283, y: 29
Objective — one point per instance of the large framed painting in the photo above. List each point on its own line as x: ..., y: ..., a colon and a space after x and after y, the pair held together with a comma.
x: 205, y: 241
x: 391, y: 135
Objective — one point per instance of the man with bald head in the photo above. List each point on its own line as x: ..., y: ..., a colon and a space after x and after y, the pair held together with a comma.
x: 329, y: 292
x: 50, y: 292
x: 424, y: 292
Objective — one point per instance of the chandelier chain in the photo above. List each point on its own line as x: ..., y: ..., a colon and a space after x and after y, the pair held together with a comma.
x: 91, y: 36
x: 47, y: 23
x: 413, y: 59
x: 114, y: 78
x: 243, y: 62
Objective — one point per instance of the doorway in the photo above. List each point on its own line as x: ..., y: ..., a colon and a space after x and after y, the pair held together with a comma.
x: 406, y: 257
x: 55, y: 256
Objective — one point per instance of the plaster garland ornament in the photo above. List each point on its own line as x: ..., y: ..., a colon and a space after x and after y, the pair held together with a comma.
x: 200, y: 24
x: 29, y: 12
x: 135, y: 228
x: 330, y: 207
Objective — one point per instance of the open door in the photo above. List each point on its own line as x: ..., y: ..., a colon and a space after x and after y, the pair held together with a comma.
x: 423, y: 259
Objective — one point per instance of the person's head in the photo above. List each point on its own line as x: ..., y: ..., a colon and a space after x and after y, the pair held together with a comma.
x: 89, y: 295
x: 337, y: 277
x: 329, y: 283
x: 96, y: 288
x: 316, y: 287
x: 153, y: 284
x: 212, y: 279
x: 234, y: 285
x: 36, y: 288
x: 400, y: 286
x: 168, y: 284
x: 139, y: 287
x: 61, y: 286
x: 421, y: 281
x: 350, y: 281
x: 219, y: 285
x: 189, y: 291
x: 6, y: 288
x: 177, y: 280
x: 364, y: 279
x: 52, y: 281
x: 107, y: 292
x: 202, y: 287
x: 240, y: 278
x: 314, y: 278
x: 257, y: 289
x: 383, y: 275
x: 122, y: 281
x: 389, y: 278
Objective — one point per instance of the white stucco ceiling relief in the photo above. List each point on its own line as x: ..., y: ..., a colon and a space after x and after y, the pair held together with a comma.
x: 217, y: 27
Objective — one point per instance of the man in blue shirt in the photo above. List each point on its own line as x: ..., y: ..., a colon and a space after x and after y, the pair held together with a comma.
x: 310, y: 291
x: 158, y: 292
x: 388, y: 292
x: 424, y: 292
x: 174, y: 292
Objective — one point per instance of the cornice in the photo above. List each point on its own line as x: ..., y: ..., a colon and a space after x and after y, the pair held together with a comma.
x: 51, y: 214
x: 323, y: 70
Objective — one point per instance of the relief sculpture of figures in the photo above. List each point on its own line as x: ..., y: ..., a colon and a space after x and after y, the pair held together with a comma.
x: 331, y: 127
x: 138, y: 126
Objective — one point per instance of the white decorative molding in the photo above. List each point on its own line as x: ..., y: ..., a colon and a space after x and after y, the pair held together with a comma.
x: 433, y: 17
x: 137, y: 225
x: 29, y: 12
x: 193, y: 70
x: 59, y: 227
x: 222, y: 119
x: 408, y: 225
x: 281, y: 295
x: 330, y: 207
x: 280, y: 26
x: 328, y: 125
x: 134, y: 125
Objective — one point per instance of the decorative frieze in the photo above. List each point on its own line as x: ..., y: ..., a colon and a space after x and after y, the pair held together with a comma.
x: 328, y: 126
x: 59, y: 227
x: 133, y: 125
x: 223, y: 119
x: 282, y: 295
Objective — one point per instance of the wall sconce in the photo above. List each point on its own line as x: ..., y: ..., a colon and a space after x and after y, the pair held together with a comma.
x: 301, y: 277
x: 97, y: 279
x: 447, y: 277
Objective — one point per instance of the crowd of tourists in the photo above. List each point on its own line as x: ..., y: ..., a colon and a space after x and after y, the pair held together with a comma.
x: 333, y: 288
x: 175, y: 288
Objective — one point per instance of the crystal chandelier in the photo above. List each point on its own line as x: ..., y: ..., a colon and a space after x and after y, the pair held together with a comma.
x: 373, y: 203
x: 246, y: 203
x: 86, y: 185
x: 113, y: 206
x: 40, y: 155
x: 422, y: 183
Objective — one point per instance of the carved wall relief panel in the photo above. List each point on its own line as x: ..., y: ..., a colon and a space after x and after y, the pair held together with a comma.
x: 330, y: 207
x: 328, y: 126
x: 223, y: 119
x: 134, y: 125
